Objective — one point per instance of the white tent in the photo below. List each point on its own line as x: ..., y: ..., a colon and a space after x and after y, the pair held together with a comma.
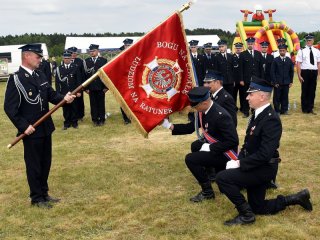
x: 110, y: 43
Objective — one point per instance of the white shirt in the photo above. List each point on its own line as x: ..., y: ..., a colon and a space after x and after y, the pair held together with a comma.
x: 27, y: 69
x: 216, y: 92
x: 208, y: 108
x: 260, y: 109
x: 303, y: 57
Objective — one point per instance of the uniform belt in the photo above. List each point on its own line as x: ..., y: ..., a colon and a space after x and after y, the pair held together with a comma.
x: 275, y: 160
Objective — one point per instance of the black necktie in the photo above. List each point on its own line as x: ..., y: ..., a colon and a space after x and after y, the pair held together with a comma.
x: 209, y: 57
x: 311, y: 57
x: 282, y: 59
x: 34, y: 74
x: 225, y: 56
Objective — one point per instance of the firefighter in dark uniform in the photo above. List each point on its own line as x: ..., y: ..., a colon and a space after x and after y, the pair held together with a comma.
x: 27, y: 98
x: 236, y: 74
x: 267, y: 60
x: 79, y: 101
x: 126, y: 43
x: 68, y: 79
x: 198, y: 61
x: 223, y: 62
x: 45, y: 67
x: 209, y: 56
x: 214, y: 81
x: 257, y: 162
x: 219, y: 139
x: 251, y: 64
x: 96, y: 89
x: 282, y: 72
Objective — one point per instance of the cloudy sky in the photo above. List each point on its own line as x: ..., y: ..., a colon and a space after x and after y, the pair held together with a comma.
x: 115, y: 16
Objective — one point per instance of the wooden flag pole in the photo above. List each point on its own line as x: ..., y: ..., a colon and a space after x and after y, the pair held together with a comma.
x: 55, y: 108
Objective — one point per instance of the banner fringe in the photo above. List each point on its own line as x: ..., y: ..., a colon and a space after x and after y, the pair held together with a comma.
x: 106, y: 80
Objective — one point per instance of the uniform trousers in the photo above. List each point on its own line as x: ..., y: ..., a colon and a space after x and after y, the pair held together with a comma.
x: 97, y: 105
x: 308, y: 89
x: 70, y: 114
x: 37, y: 157
x: 198, y: 161
x: 281, y: 98
x: 236, y: 89
x: 80, y: 106
x: 244, y: 105
x: 231, y: 181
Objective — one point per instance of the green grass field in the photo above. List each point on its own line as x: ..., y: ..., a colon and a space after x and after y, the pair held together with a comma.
x: 115, y: 184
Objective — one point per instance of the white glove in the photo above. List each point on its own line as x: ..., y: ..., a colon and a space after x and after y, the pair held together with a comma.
x: 205, y: 147
x: 233, y: 164
x: 166, y: 123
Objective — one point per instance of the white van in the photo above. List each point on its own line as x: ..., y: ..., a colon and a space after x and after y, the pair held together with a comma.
x: 10, y: 58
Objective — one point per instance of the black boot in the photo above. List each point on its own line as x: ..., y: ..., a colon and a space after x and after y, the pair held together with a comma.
x: 246, y: 216
x: 301, y: 198
x: 206, y: 193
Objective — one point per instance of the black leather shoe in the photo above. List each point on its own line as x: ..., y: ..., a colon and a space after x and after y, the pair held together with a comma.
x: 202, y: 196
x: 272, y: 185
x: 127, y: 121
x: 245, y: 115
x: 240, y: 220
x: 52, y: 199
x: 45, y: 205
x: 301, y: 198
x: 75, y: 125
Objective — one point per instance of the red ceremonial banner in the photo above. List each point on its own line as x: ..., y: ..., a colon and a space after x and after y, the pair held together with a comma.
x: 151, y: 79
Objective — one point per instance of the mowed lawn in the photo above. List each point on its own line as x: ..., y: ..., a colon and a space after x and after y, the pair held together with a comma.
x: 115, y: 184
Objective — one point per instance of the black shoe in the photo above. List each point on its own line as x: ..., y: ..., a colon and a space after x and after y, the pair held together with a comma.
x: 51, y: 199
x: 64, y: 128
x: 301, y: 198
x: 75, y: 125
x: 285, y: 113
x: 246, y: 216
x: 313, y: 113
x: 42, y: 204
x: 127, y: 121
x: 202, y: 196
x: 245, y: 115
x: 96, y: 124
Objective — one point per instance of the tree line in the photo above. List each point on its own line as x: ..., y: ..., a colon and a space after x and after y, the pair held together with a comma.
x: 56, y: 42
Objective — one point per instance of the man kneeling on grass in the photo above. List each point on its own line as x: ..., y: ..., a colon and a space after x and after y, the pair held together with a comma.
x: 257, y: 162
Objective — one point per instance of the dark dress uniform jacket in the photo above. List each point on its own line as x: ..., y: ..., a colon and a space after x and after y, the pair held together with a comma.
x: 90, y: 68
x: 236, y: 68
x: 267, y: 62
x: 218, y: 123
x: 67, y: 79
x: 79, y: 63
x: 45, y: 67
x: 200, y: 66
x: 225, y: 67
x: 261, y: 141
x: 209, y: 61
x: 225, y: 100
x: 27, y: 100
x: 251, y: 66
x: 282, y: 72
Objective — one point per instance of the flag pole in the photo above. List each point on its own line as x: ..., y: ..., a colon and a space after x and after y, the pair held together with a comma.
x: 186, y: 6
x: 55, y: 108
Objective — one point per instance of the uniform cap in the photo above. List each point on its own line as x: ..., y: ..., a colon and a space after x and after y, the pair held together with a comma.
x: 282, y: 46
x: 128, y: 41
x: 222, y: 42
x: 238, y: 45
x: 67, y: 54
x: 72, y: 49
x: 198, y: 95
x: 264, y: 44
x: 33, y: 47
x: 194, y: 43
x: 309, y: 36
x: 93, y: 47
x: 250, y: 39
x: 259, y: 84
x: 208, y: 45
x: 281, y: 40
x: 212, y: 75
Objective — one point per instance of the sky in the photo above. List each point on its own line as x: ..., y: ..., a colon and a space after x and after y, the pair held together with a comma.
x: 116, y: 16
